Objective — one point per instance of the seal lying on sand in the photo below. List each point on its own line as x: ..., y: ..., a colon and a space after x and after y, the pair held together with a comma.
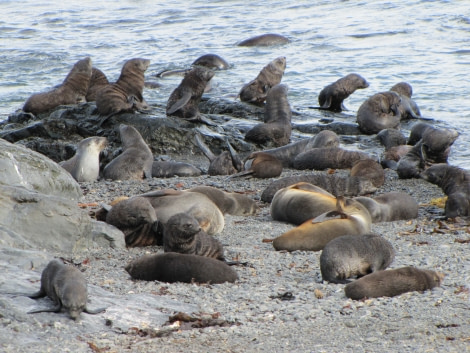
x: 391, y: 206
x: 261, y: 165
x: 72, y: 91
x: 85, y: 164
x: 98, y: 80
x: 264, y: 40
x: 332, y: 96
x: 355, y: 255
x: 67, y: 288
x: 256, y: 91
x: 331, y: 157
x: 173, y: 267
x: 169, y: 169
x: 355, y: 220
x: 381, y: 111
x: 390, y: 283
x: 370, y: 169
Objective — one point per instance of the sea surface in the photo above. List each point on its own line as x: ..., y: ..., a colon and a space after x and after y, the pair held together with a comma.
x: 425, y: 43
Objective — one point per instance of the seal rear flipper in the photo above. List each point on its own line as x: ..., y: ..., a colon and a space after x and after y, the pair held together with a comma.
x: 236, y: 161
x: 204, y: 148
x: 338, y: 280
x: 40, y: 294
x: 95, y: 311
x: 243, y: 173
x: 54, y: 309
x: 180, y: 103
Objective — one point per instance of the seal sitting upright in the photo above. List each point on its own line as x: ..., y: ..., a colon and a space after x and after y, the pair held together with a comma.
x: 332, y: 96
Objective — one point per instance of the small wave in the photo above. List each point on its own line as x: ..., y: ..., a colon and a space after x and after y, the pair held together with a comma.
x: 376, y: 34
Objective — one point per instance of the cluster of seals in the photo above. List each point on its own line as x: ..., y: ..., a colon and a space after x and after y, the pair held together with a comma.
x: 98, y: 80
x: 312, y: 236
x: 182, y: 234
x: 455, y: 182
x: 126, y: 94
x: 261, y: 165
x: 135, y: 161
x: 264, y: 40
x: 169, y: 169
x: 389, y: 283
x: 378, y: 112
x: 67, y: 288
x: 71, y: 91
x: 355, y: 256
x: 183, y: 101
x: 84, y: 166
x: 256, y: 91
x: 395, y: 147
x: 332, y: 96
x: 328, y: 157
x: 391, y: 206
x: 173, y: 267
x: 370, y: 169
x: 276, y: 128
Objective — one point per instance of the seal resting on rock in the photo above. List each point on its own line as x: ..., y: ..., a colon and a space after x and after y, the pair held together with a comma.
x: 264, y: 40
x: 391, y: 206
x: 389, y: 283
x: 370, y: 169
x: 67, y: 288
x: 354, y: 220
x: 182, y: 234
x: 355, y: 255
x: 332, y: 96
x: 173, y: 267
x: 381, y: 111
x: 72, y: 90
x: 135, y: 161
x: 261, y: 165
x: 97, y: 81
x: 85, y: 164
x: 256, y: 91
x: 330, y: 157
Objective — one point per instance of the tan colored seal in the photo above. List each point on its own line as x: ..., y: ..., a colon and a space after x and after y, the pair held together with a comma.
x: 370, y: 169
x: 332, y: 96
x: 261, y: 165
x: 98, y: 80
x: 72, y: 91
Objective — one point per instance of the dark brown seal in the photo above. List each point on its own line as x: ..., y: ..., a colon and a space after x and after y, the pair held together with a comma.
x: 417, y: 131
x: 332, y: 96
x: 331, y: 157
x: 355, y: 256
x: 455, y: 182
x: 391, y: 206
x: 183, y: 234
x: 390, y: 283
x: 256, y: 91
x: 390, y: 158
x: 264, y: 40
x: 67, y: 288
x: 381, y: 111
x: 126, y: 94
x: 276, y: 129
x: 169, y: 169
x: 135, y: 161
x: 261, y: 165
x: 98, y: 80
x: 370, y: 169
x: 184, y: 99
x: 173, y: 267
x: 391, y: 138
x: 211, y: 61
x: 72, y: 90
x: 85, y: 164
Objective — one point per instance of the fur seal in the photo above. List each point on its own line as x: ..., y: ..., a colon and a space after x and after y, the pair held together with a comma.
x: 261, y: 165
x: 276, y: 128
x: 389, y: 283
x: 182, y: 234
x: 169, y: 169
x: 300, y: 202
x: 173, y: 267
x: 391, y: 138
x: 355, y: 220
x: 264, y: 40
x: 126, y: 94
x: 417, y: 131
x: 390, y: 158
x: 370, y: 169
x: 455, y: 183
x: 332, y: 96
x: 408, y: 107
x: 85, y: 164
x: 378, y: 112
x: 71, y: 91
x: 67, y: 288
x: 98, y: 80
x: 211, y: 61
x: 135, y: 161
x: 184, y: 100
x: 355, y: 255
x: 256, y: 90
x: 331, y: 157
x: 391, y: 206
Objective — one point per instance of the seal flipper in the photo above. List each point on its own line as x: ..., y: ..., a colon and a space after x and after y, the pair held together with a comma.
x: 180, y: 103
x: 95, y: 311
x: 327, y: 103
x: 40, y: 294
x: 204, y: 148
x: 54, y: 309
x: 236, y: 161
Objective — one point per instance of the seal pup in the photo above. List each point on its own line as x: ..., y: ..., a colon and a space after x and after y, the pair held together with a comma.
x: 391, y: 206
x: 276, y: 128
x: 98, y: 80
x: 300, y: 202
x: 84, y: 166
x: 183, y: 101
x: 169, y: 169
x: 264, y: 40
x: 126, y: 94
x: 173, y: 267
x: 378, y: 112
x: 67, y: 288
x: 408, y: 107
x: 370, y: 169
x: 331, y: 157
x: 389, y: 283
x: 261, y: 165
x: 135, y: 161
x: 211, y: 61
x: 183, y: 234
x: 71, y: 91
x: 455, y: 183
x: 255, y: 91
x: 355, y: 256
x: 417, y: 131
x: 332, y: 96
x: 391, y: 138
x: 311, y: 236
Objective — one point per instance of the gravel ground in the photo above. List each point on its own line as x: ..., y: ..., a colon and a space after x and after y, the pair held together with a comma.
x: 317, y: 318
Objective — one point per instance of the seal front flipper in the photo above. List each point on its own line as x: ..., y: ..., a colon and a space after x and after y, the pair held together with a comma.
x: 95, y: 311
x: 54, y: 309
x: 327, y: 103
x: 40, y: 294
x: 180, y: 103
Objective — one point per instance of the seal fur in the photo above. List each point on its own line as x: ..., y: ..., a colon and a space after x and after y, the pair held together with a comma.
x: 391, y: 206
x: 332, y: 96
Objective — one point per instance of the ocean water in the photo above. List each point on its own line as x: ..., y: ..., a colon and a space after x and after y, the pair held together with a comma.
x: 425, y: 43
